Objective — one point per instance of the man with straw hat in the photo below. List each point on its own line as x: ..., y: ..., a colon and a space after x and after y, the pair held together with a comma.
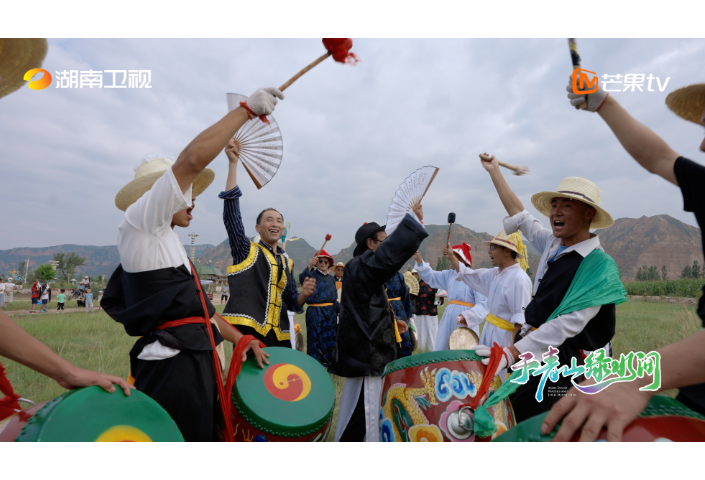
x: 682, y: 363
x: 367, y: 330
x: 261, y: 278
x: 322, y: 311
x: 577, y: 284
x: 461, y: 298
x: 506, y: 286
x: 152, y: 291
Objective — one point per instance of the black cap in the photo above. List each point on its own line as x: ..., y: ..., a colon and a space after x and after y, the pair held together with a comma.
x: 363, y: 233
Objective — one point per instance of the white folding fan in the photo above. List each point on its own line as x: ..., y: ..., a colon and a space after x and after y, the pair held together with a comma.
x: 409, y: 194
x: 261, y: 145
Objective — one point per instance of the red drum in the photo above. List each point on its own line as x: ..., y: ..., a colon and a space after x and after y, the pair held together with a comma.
x: 423, y: 398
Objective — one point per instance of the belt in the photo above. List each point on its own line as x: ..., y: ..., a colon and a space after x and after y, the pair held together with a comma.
x: 182, y: 321
x: 499, y: 322
x: 320, y: 304
x: 392, y: 299
x: 458, y: 302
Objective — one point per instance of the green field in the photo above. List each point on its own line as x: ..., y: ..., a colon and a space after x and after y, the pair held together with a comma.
x: 95, y: 342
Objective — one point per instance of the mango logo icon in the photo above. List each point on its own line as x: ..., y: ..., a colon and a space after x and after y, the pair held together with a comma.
x: 40, y: 84
x: 582, y: 84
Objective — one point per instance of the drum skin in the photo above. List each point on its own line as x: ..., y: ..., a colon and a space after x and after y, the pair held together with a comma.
x: 291, y: 400
x: 92, y: 415
x: 663, y: 420
x: 422, y: 394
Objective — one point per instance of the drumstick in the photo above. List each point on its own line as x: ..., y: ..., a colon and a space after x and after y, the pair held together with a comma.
x: 575, y: 58
x: 451, y: 221
x: 288, y: 83
x: 517, y: 169
x: 328, y: 237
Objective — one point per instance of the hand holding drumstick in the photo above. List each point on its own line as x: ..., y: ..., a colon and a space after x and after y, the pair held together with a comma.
x: 489, y: 162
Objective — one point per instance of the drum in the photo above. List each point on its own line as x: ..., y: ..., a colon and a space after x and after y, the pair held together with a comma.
x: 424, y: 397
x: 290, y: 400
x: 663, y: 420
x: 92, y: 415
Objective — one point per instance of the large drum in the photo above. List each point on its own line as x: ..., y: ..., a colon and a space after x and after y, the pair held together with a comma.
x: 663, y: 420
x: 424, y: 397
x: 92, y: 415
x: 291, y: 400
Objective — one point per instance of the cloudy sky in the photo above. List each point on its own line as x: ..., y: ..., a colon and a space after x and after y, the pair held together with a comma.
x: 351, y: 134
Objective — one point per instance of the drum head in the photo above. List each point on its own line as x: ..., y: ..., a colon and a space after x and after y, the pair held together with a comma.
x: 292, y: 396
x: 93, y: 415
x: 463, y: 339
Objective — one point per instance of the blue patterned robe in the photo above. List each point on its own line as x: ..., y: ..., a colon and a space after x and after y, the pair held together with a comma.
x: 396, y: 288
x: 321, y: 322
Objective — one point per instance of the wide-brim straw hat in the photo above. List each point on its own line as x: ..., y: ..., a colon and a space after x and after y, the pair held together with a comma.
x: 512, y: 242
x: 688, y: 102
x: 17, y: 57
x: 149, y: 172
x: 576, y: 188
x: 339, y: 264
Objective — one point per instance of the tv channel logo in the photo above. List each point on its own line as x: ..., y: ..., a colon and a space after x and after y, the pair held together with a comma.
x: 43, y: 82
x: 582, y: 84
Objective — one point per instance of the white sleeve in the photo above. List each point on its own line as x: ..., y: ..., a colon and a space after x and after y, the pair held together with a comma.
x: 556, y: 331
x: 153, y: 211
x: 518, y: 297
x: 433, y: 278
x: 537, y: 235
x: 479, y: 280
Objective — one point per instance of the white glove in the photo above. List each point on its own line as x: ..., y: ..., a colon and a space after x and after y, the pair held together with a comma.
x: 506, y: 361
x: 594, y: 100
x: 263, y: 101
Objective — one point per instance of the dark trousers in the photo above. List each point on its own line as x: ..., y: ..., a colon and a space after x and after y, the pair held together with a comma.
x: 356, y: 429
x: 185, y: 387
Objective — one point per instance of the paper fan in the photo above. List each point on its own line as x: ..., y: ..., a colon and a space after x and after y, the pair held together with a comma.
x: 409, y: 194
x: 261, y: 145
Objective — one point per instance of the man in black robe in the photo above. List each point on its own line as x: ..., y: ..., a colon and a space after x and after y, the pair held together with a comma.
x: 366, y: 329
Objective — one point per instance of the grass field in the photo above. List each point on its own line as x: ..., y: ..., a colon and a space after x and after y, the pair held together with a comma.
x: 96, y: 342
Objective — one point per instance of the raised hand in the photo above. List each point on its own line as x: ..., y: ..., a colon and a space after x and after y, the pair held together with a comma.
x: 418, y: 210
x: 594, y: 100
x: 263, y: 101
x: 313, y: 263
x: 417, y: 257
x: 233, y: 151
x: 490, y: 164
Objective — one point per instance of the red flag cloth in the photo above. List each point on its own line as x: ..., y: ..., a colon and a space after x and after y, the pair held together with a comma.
x: 496, y: 354
x: 340, y: 49
x: 251, y: 114
x: 8, y: 404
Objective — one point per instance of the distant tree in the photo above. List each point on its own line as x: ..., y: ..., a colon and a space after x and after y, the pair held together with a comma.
x: 529, y: 272
x: 21, y: 268
x: 653, y: 273
x: 696, y: 269
x: 44, y: 272
x: 639, y: 275
x: 67, y: 264
x: 687, y: 272
x: 443, y: 264
x: 664, y: 273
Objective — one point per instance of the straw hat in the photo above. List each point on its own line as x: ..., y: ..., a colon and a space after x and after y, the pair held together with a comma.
x: 512, y: 242
x: 149, y: 172
x: 688, y: 102
x: 17, y: 56
x: 412, y: 283
x: 579, y: 189
x: 339, y: 264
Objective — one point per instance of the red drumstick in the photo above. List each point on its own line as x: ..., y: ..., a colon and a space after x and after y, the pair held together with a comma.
x: 328, y: 237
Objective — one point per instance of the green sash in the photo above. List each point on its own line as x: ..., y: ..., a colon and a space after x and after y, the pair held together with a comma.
x: 595, y: 283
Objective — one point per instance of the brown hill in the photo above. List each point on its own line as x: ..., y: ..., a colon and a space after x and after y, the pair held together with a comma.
x: 658, y: 240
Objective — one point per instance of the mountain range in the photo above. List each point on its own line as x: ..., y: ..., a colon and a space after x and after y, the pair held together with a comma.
x: 632, y: 242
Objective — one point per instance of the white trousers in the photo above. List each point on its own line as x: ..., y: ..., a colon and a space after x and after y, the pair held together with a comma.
x: 426, y: 331
x: 348, y: 401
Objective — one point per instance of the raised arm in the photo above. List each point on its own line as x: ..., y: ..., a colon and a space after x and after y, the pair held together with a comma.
x: 232, y: 218
x: 209, y: 143
x: 511, y: 202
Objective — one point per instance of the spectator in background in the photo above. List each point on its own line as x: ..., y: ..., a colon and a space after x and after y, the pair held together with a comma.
x: 46, y: 293
x: 61, y: 300
x: 2, y: 294
x: 100, y: 298
x: 36, y: 293
x: 89, y: 300
x: 225, y: 294
x: 9, y: 290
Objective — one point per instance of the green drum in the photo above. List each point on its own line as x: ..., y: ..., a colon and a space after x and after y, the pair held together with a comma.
x: 92, y: 415
x: 291, y: 400
x: 664, y: 419
x: 424, y: 399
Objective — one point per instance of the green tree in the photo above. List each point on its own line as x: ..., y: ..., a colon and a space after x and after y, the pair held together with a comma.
x: 21, y: 268
x: 687, y: 272
x: 67, y: 264
x: 44, y: 272
x: 664, y: 273
x: 696, y: 270
x: 442, y: 264
x: 653, y: 273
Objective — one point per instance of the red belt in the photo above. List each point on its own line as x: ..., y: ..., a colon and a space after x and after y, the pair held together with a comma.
x: 182, y: 321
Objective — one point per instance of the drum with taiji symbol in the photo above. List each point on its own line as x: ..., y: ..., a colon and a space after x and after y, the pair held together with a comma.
x: 291, y: 400
x: 425, y: 398
x: 92, y: 415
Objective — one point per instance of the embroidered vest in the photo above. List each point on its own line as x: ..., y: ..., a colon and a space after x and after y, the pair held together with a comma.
x: 256, y: 287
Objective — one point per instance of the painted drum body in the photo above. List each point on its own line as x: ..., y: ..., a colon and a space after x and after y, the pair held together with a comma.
x: 423, y: 397
x: 92, y: 415
x: 291, y: 400
x: 663, y: 420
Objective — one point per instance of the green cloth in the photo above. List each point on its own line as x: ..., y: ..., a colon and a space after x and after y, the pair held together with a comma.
x: 595, y: 283
x: 61, y: 298
x: 484, y: 423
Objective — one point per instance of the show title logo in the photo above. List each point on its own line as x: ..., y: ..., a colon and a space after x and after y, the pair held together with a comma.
x: 90, y: 79
x: 583, y: 84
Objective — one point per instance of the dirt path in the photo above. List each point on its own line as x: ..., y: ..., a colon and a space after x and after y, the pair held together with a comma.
x: 13, y: 313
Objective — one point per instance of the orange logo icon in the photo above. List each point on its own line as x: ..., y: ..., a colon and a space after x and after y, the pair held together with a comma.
x: 40, y: 84
x: 582, y: 85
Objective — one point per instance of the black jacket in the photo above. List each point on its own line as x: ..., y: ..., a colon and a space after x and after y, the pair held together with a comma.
x: 366, y: 343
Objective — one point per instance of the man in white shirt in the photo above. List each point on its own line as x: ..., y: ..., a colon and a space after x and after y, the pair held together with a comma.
x: 573, y: 209
x: 9, y: 289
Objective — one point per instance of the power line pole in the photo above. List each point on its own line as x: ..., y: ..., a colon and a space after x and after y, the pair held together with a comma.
x: 193, y: 247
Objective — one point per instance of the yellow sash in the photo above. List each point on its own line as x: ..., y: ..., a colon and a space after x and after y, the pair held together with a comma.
x: 458, y: 302
x: 392, y: 299
x: 498, y: 322
x: 320, y: 304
